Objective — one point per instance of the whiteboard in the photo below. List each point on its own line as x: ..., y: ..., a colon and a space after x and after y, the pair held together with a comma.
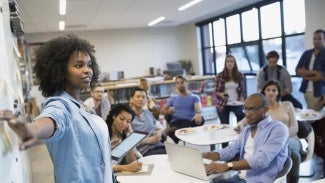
x: 15, y: 166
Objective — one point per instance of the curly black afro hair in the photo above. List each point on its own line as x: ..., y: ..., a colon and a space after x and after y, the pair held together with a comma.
x: 52, y: 59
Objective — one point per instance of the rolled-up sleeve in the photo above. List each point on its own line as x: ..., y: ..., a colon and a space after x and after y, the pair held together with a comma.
x: 60, y: 114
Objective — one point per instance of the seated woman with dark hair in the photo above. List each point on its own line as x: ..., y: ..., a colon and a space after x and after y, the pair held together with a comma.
x: 118, y: 122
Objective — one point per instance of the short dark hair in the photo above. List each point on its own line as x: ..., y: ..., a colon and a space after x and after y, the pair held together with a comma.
x: 138, y: 89
x: 272, y: 54
x: 181, y: 77
x: 96, y: 85
x: 261, y: 97
x: 52, y: 58
x: 320, y: 31
x: 276, y: 84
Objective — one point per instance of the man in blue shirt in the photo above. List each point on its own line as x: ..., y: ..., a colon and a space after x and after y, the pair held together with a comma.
x: 311, y: 67
x: 262, y: 147
x: 184, y: 109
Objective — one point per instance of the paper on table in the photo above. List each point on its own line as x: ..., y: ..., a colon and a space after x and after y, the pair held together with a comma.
x: 148, y: 172
x: 144, y: 168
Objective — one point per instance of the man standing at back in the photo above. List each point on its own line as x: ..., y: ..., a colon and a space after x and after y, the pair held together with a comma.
x: 184, y: 109
x: 262, y: 147
x: 277, y: 72
x: 311, y: 67
x: 98, y: 102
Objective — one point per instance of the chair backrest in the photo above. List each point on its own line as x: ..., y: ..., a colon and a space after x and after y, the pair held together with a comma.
x: 282, y: 175
x: 306, y: 132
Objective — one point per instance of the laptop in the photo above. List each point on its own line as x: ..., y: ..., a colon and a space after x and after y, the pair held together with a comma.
x: 188, y: 161
x: 126, y: 145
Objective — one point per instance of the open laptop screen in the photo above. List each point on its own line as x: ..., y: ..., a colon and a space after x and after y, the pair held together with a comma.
x: 127, y: 144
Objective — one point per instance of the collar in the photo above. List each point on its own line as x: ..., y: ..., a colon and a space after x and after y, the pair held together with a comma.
x: 263, y: 123
x: 78, y: 103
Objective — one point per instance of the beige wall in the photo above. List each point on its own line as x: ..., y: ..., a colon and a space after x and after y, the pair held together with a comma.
x: 314, y: 19
x: 135, y: 50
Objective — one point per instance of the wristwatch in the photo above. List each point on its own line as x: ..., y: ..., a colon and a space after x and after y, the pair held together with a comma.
x: 230, y: 165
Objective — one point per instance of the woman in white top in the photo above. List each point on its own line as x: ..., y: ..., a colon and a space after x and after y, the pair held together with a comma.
x: 230, y: 90
x: 284, y: 112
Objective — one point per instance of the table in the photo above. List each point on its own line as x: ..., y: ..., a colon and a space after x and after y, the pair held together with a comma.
x: 308, y: 115
x: 161, y: 173
x: 203, y: 135
x: 318, y: 181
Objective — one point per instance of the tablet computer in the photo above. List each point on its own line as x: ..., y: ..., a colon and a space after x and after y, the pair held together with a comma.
x: 127, y: 144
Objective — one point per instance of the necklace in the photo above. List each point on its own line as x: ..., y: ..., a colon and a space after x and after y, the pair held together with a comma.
x: 274, y: 106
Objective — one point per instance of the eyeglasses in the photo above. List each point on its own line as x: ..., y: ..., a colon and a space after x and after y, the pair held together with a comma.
x: 99, y: 91
x: 252, y: 109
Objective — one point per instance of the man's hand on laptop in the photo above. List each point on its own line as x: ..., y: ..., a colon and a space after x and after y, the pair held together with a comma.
x: 214, y: 167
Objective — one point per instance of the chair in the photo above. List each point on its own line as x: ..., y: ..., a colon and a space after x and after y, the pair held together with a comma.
x: 282, y: 176
x: 306, y: 132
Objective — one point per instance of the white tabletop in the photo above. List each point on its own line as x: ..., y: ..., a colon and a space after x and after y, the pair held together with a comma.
x: 309, y: 115
x: 318, y: 181
x: 203, y: 135
x: 161, y: 173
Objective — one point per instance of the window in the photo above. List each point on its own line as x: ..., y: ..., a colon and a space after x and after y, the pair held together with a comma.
x: 219, y: 32
x: 251, y: 32
x: 291, y: 15
x: 250, y: 25
x: 233, y: 29
x: 271, y: 20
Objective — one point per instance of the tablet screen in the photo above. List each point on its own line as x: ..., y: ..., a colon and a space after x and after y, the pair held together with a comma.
x: 127, y: 144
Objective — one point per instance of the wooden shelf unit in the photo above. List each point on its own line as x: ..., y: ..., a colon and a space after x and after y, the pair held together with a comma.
x: 204, y: 86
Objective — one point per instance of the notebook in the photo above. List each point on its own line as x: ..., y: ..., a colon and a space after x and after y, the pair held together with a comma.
x: 188, y: 161
x: 127, y: 144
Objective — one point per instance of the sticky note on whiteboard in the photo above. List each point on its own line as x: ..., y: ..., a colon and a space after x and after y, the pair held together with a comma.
x: 5, y: 86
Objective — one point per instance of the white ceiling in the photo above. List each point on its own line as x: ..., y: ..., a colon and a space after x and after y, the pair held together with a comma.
x: 43, y: 15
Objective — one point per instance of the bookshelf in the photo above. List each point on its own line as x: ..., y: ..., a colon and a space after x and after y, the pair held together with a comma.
x: 204, y: 86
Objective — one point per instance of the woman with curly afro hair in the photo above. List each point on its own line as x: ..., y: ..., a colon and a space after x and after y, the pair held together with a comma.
x: 77, y: 139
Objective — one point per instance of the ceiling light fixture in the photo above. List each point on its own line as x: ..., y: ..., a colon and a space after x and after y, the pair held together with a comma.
x: 61, y: 25
x: 189, y: 5
x: 156, y: 21
x: 63, y: 7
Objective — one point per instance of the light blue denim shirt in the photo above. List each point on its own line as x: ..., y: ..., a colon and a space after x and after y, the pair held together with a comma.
x: 77, y: 148
x: 269, y: 153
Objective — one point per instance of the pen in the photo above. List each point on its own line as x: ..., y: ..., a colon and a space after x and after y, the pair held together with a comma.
x: 136, y: 157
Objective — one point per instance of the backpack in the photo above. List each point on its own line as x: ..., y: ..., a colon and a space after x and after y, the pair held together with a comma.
x: 278, y: 72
